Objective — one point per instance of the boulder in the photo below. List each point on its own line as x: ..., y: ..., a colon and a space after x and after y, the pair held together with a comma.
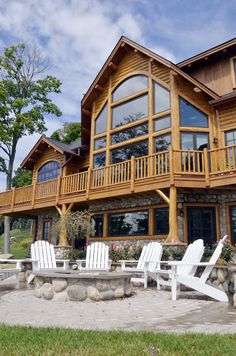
x: 119, y: 292
x: 102, y: 286
x: 107, y: 295
x: 60, y: 297
x: 93, y: 293
x: 114, y: 283
x: 127, y: 289
x: 77, y: 293
x: 59, y: 284
x: 38, y: 282
x: 47, y: 291
x: 38, y: 293
x: 220, y: 275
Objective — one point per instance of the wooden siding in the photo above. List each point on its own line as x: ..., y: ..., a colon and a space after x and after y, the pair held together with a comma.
x: 161, y: 72
x: 227, y: 117
x: 216, y: 75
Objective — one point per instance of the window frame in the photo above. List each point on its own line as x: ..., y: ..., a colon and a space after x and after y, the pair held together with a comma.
x: 44, y: 164
x: 48, y: 221
x: 233, y: 71
x: 129, y: 212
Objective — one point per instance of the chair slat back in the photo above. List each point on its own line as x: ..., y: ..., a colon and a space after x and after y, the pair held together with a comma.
x: 150, y: 252
x: 97, y: 256
x: 44, y: 253
x: 213, y: 259
x: 193, y: 254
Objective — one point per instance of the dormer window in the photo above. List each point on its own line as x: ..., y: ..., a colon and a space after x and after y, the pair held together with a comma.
x: 50, y: 170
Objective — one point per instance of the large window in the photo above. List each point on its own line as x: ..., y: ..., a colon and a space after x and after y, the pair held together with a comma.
x: 194, y: 141
x: 161, y: 98
x: 130, y: 86
x: 130, y: 111
x: 97, y: 225
x: 124, y: 153
x: 162, y: 142
x: 133, y: 223
x: 100, y: 143
x: 190, y: 116
x: 101, y: 121
x: 161, y: 221
x: 129, y: 134
x: 50, y: 170
x: 230, y: 138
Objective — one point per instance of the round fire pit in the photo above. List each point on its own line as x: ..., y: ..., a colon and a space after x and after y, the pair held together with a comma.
x: 81, y: 286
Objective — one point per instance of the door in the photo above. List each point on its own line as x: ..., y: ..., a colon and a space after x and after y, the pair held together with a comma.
x: 232, y: 212
x: 201, y: 222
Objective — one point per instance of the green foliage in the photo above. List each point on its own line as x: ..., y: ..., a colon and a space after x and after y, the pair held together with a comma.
x: 227, y: 254
x: 21, y: 341
x: 20, y: 241
x: 70, y: 132
x: 126, y: 251
x: 25, y: 98
x: 77, y: 254
x: 22, y: 177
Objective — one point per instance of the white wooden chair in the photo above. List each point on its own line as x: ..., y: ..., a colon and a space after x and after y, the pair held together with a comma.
x: 182, y: 272
x: 97, y: 258
x: 148, y: 262
x: 43, y: 257
x: 10, y: 275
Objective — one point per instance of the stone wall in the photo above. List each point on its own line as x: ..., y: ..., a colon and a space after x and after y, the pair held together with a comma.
x: 51, y: 214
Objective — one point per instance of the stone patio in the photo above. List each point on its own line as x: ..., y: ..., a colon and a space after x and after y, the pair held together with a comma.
x: 146, y: 310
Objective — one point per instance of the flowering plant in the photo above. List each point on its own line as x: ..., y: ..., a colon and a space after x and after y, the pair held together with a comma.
x: 124, y: 251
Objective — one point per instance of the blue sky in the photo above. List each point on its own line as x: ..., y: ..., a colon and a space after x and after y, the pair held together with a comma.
x: 78, y: 35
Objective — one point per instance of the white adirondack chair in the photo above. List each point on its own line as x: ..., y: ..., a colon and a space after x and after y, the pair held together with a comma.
x: 43, y: 257
x: 148, y: 261
x: 180, y: 275
x: 9, y: 275
x: 193, y: 254
x: 97, y: 258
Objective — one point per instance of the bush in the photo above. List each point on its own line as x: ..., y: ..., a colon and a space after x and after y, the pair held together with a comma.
x: 125, y: 251
x: 77, y: 254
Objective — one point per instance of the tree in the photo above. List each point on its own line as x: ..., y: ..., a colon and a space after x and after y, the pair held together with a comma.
x: 21, y: 178
x: 25, y: 98
x: 70, y: 132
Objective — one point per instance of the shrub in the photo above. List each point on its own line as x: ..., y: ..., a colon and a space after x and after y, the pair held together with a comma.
x: 124, y: 251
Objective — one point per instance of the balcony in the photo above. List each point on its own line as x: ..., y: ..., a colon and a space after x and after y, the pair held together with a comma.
x: 181, y: 168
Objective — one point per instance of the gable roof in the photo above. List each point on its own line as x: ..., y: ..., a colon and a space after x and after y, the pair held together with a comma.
x: 44, y: 141
x: 107, y: 67
x: 209, y: 52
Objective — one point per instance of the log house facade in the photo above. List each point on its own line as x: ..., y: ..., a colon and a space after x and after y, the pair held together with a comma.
x: 157, y: 157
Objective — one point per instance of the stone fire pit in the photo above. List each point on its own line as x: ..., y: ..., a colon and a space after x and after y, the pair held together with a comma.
x: 80, y: 286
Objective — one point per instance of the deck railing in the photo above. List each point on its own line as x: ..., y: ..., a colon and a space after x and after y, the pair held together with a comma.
x: 168, y: 164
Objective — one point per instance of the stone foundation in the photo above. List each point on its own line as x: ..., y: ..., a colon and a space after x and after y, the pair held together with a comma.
x: 62, y: 252
x: 78, y: 286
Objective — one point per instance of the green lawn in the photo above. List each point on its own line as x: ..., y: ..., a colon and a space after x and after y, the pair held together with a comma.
x: 19, y: 243
x: 46, y: 341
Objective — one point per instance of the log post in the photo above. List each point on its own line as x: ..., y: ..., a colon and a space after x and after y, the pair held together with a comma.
x: 63, y: 238
x: 132, y: 176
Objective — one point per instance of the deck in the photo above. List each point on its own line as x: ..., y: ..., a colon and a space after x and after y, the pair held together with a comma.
x: 181, y: 168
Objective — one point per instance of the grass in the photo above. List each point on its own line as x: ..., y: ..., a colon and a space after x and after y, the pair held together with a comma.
x: 52, y: 341
x: 19, y: 243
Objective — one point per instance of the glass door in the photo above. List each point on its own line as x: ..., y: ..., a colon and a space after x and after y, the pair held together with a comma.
x: 201, y: 222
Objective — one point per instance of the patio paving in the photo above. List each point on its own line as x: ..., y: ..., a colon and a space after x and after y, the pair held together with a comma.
x: 146, y: 310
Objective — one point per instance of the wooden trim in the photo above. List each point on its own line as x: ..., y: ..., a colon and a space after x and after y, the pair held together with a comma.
x: 211, y: 205
x: 130, y: 142
x: 137, y: 208
x: 129, y: 98
x: 227, y: 206
x: 122, y: 238
x: 47, y: 161
x: 150, y: 109
x: 130, y: 125
x: 194, y: 103
x: 233, y: 74
x: 161, y: 114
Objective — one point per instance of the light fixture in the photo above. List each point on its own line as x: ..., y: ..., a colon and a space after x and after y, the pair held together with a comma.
x: 215, y: 140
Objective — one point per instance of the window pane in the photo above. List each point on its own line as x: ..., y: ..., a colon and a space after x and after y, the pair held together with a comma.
x: 187, y: 141
x: 162, y: 142
x: 130, y: 86
x: 201, y: 141
x: 128, y: 134
x: 131, y: 111
x: 161, y: 218
x: 161, y: 98
x: 162, y: 124
x: 101, y: 121
x: 128, y: 224
x: 230, y: 138
x: 191, y: 116
x: 97, y: 224
x: 48, y: 171
x: 125, y: 153
x: 100, y: 143
x: 99, y: 160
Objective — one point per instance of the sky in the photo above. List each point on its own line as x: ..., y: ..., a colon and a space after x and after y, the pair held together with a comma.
x: 78, y: 35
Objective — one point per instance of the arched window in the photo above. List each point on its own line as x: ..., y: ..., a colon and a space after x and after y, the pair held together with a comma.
x: 50, y: 170
x: 130, y: 86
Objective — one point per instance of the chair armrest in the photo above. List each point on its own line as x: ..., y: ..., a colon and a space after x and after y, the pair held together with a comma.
x: 180, y: 263
x: 80, y: 263
x: 124, y: 262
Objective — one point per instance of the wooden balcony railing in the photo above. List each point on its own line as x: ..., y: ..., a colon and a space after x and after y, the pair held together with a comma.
x: 162, y: 169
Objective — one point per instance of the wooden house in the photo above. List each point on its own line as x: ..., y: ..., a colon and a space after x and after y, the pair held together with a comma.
x: 157, y: 157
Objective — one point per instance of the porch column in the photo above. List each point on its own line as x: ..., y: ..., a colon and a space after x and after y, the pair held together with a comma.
x: 173, y: 236
x: 63, y: 238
